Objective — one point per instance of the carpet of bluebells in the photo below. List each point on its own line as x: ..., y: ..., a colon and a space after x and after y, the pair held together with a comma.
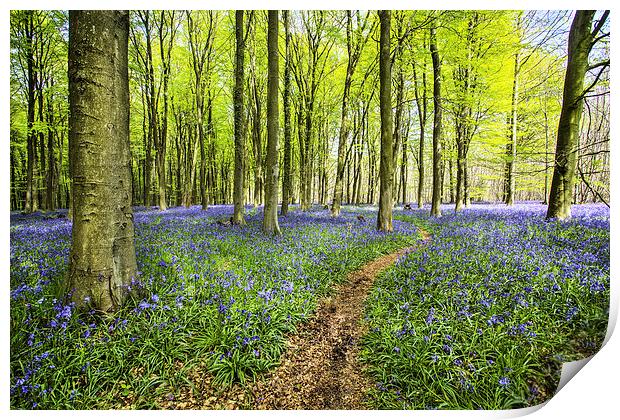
x: 484, y: 315
x: 207, y: 295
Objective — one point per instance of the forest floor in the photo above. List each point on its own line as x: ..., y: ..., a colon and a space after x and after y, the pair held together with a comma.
x: 320, y: 369
x: 331, y: 315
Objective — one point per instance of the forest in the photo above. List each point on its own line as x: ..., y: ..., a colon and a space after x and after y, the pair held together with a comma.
x: 316, y: 209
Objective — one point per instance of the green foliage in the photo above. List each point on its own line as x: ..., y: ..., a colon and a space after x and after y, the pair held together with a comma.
x: 209, y: 299
x: 485, y: 314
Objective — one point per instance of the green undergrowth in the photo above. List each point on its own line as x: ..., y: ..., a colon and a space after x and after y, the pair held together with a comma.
x: 208, y: 297
x: 484, y: 315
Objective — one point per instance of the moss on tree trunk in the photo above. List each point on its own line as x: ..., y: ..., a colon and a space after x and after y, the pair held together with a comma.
x: 102, y: 259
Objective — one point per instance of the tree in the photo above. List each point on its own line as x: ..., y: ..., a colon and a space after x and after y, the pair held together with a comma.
x: 355, y: 44
x: 511, y: 146
x: 286, y: 172
x: 255, y: 108
x: 239, y: 125
x: 422, y: 106
x: 495, y: 66
x: 270, y: 214
x: 32, y: 202
x: 167, y: 27
x: 308, y: 77
x: 386, y: 168
x: 581, y: 39
x: 201, y: 46
x: 437, y: 113
x: 103, y: 259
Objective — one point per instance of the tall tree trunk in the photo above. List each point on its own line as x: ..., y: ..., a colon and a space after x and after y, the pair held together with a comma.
x: 257, y: 143
x: 31, y: 192
x: 460, y: 175
x: 270, y: 214
x: 546, y: 193
x: 306, y: 180
x: 50, y: 190
x: 203, y: 156
x: 398, y: 117
x: 302, y: 155
x: 103, y: 259
x: 344, y: 129
x: 511, y: 146
x: 579, y: 44
x: 437, y: 111
x: 403, y: 167
x: 238, y: 187
x: 42, y: 156
x: 422, y: 105
x: 384, y: 215
x: 165, y: 51
x: 147, y: 167
x: 466, y: 192
x: 13, y: 183
x: 286, y: 172
x: 451, y: 178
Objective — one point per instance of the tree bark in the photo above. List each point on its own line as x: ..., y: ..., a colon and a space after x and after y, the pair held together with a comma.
x: 398, y: 117
x: 579, y: 44
x: 31, y: 192
x: 437, y: 111
x: 238, y: 187
x: 257, y: 140
x: 384, y: 215
x: 50, y: 189
x: 511, y: 146
x: 270, y: 214
x: 102, y: 260
x: 422, y: 105
x: 286, y: 173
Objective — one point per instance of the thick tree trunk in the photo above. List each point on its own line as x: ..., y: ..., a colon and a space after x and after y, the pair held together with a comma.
x: 384, y: 215
x: 579, y: 44
x: 238, y: 187
x: 102, y: 260
x: 270, y: 215
x: 437, y: 110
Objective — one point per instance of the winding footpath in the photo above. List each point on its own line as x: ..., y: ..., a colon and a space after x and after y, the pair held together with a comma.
x: 321, y: 368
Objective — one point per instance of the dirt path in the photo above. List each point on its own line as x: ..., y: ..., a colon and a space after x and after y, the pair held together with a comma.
x: 321, y: 369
